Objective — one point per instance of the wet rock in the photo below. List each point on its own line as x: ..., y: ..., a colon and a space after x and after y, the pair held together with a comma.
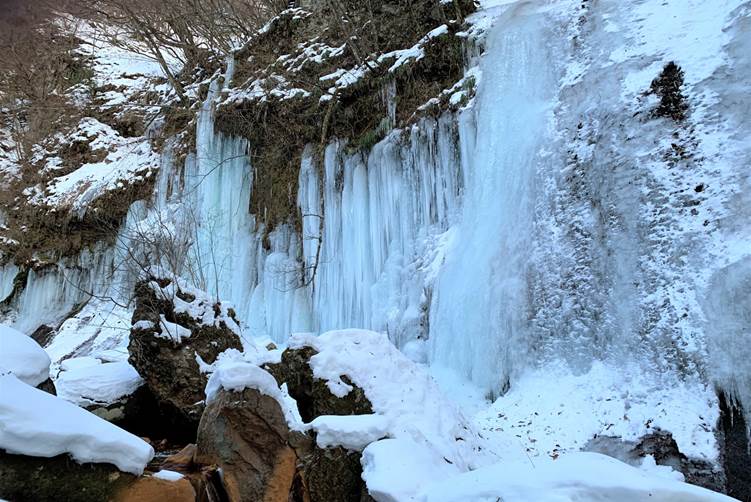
x: 245, y: 433
x: 313, y: 395
x: 736, y: 455
x: 37, y: 479
x: 48, y: 386
x: 205, y: 479
x: 175, y: 328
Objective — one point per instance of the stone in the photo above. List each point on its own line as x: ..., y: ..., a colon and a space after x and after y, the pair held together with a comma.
x: 151, y: 489
x: 312, y: 394
x: 39, y: 479
x: 245, y: 433
x: 169, y: 364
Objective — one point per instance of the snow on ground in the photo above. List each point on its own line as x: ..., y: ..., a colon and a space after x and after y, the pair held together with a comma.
x: 552, y: 411
x: 38, y: 424
x: 573, y: 477
x: 22, y: 356
x: 91, y: 382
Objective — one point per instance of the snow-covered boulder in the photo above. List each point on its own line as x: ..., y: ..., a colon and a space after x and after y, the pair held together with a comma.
x: 177, y: 331
x: 37, y: 424
x: 244, y: 430
x: 333, y: 396
x: 113, y: 391
x: 22, y: 356
x: 97, y: 384
x: 253, y: 431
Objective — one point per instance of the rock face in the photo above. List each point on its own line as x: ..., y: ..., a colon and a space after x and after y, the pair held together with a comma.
x: 58, y: 478
x: 175, y: 327
x: 735, y: 450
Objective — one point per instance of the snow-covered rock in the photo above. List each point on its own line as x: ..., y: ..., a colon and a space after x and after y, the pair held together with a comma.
x: 401, y: 392
x: 97, y: 383
x: 22, y: 356
x: 36, y: 424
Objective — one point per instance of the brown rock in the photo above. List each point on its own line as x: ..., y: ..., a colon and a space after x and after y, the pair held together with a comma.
x: 151, y: 489
x: 245, y: 433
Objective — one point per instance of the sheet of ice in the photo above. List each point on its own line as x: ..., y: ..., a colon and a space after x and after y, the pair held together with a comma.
x: 38, y: 424
x: 480, y: 329
x: 22, y: 356
x: 97, y: 384
x: 574, y: 477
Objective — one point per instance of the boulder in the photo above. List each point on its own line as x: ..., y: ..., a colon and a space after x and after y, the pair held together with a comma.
x: 313, y: 396
x: 153, y: 489
x: 245, y: 433
x: 39, y: 479
x: 175, y: 330
x: 264, y: 452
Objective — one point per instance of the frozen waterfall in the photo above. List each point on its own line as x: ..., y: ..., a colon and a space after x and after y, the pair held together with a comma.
x: 479, y: 312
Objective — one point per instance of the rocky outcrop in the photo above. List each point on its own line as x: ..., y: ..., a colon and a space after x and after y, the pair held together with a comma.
x: 313, y: 395
x: 175, y: 330
x: 662, y: 447
x: 48, y: 386
x: 38, y: 479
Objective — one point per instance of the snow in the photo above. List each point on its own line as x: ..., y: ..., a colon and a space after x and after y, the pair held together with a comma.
x: 128, y: 161
x: 168, y: 475
x: 541, y: 420
x: 171, y: 331
x: 22, y: 356
x: 95, y: 383
x: 353, y: 432
x: 573, y: 477
x: 394, y: 470
x: 401, y: 392
x: 38, y: 424
x: 237, y: 375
